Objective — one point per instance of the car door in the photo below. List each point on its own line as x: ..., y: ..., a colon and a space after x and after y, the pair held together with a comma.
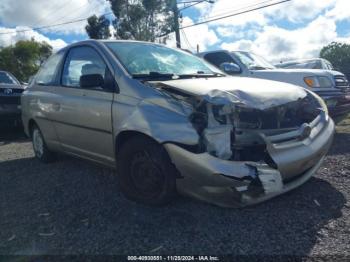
x: 83, y: 122
x: 40, y: 101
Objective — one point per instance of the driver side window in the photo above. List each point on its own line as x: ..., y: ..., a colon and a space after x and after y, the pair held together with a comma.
x: 218, y: 58
x: 82, y: 61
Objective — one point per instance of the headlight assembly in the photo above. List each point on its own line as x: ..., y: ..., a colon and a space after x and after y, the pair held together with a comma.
x: 318, y: 81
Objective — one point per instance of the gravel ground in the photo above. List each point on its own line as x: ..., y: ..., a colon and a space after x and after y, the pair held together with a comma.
x: 73, y: 207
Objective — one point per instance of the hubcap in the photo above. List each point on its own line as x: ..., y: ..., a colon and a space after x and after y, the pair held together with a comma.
x: 146, y: 176
x: 38, y: 143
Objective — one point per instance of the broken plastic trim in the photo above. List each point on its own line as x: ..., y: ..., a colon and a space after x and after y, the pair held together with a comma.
x: 222, y: 120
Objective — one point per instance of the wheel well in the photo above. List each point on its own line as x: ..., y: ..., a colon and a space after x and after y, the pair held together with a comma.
x: 124, y: 136
x: 31, y: 125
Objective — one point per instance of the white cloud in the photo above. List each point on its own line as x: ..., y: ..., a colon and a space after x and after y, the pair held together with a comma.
x: 244, y: 45
x: 43, y: 12
x: 12, y: 36
x: 294, y: 11
x: 277, y: 44
x: 259, y: 25
x: 314, y: 25
x: 340, y: 11
x: 226, y: 7
x: 298, y: 10
x: 238, y: 32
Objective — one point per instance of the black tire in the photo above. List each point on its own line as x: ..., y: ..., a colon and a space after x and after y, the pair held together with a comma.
x: 146, y: 174
x: 40, y: 148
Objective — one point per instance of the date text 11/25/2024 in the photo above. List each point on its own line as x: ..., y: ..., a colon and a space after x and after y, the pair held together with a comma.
x: 173, y: 258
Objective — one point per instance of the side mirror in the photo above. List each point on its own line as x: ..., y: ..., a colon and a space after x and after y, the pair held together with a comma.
x: 230, y: 68
x: 91, y: 81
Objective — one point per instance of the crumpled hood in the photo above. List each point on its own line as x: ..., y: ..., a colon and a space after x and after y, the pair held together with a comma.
x: 248, y: 92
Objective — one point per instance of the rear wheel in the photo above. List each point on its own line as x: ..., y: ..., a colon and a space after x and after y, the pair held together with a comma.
x: 39, y: 146
x: 146, y: 172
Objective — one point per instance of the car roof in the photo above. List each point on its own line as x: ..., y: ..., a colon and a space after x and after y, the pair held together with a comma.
x: 100, y: 41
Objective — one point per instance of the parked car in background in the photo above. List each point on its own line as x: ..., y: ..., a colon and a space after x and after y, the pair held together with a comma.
x: 170, y: 122
x: 331, y: 85
x: 10, y: 99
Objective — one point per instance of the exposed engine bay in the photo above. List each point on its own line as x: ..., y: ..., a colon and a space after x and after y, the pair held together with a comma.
x: 232, y: 131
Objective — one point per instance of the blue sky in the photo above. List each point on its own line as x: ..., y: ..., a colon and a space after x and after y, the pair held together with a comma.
x: 296, y: 29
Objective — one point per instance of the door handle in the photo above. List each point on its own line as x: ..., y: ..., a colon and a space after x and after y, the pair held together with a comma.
x: 56, y: 106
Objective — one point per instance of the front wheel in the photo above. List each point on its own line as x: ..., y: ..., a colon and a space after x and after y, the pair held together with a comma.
x: 39, y: 146
x: 146, y: 174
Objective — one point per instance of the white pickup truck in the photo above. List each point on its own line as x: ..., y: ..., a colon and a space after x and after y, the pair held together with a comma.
x: 331, y: 85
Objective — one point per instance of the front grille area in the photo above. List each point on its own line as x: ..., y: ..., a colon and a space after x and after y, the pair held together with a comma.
x: 290, y: 115
x: 341, y: 82
x: 10, y: 100
x: 13, y: 91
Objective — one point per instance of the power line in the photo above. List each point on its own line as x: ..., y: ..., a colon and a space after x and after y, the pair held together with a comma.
x: 54, y: 25
x: 57, y: 9
x: 73, y: 12
x: 234, y: 14
x: 237, y: 9
x: 256, y: 3
x: 192, y: 3
x: 186, y: 40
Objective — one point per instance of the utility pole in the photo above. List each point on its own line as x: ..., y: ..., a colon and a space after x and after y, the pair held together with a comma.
x: 176, y: 24
x: 176, y: 11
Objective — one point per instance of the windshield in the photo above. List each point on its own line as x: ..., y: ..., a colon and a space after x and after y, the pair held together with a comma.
x: 6, y: 78
x: 152, y: 59
x: 253, y: 61
x: 286, y: 65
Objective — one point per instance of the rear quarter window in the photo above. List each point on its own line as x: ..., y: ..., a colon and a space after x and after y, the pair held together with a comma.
x: 47, y: 74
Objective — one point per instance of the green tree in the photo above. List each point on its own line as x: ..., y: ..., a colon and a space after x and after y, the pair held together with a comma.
x: 44, y: 51
x: 339, y: 55
x: 98, y: 27
x: 24, y: 58
x: 142, y: 19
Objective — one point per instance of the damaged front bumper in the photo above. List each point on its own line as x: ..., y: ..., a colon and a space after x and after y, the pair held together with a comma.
x: 297, y: 155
